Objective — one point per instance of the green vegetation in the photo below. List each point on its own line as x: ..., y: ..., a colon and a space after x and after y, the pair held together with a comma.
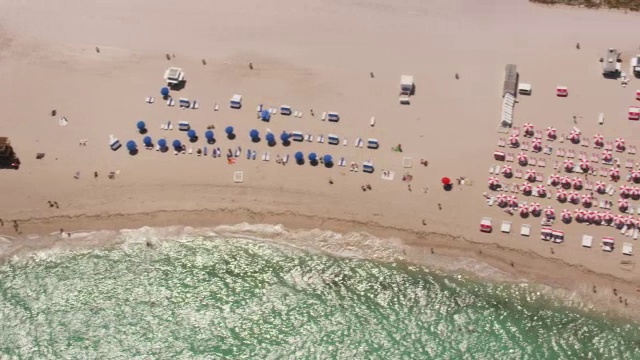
x: 633, y: 5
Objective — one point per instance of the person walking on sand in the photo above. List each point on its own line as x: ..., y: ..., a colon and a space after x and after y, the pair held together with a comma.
x: 424, y: 222
x: 250, y: 66
x: 457, y: 76
x: 55, y: 203
x: 439, y: 206
x: 578, y: 46
x: 371, y: 74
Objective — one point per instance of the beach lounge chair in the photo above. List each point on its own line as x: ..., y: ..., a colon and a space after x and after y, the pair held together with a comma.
x: 163, y: 127
x: 628, y: 163
x: 309, y: 137
x: 237, y: 152
x: 627, y: 249
x: 525, y: 146
x: 320, y: 139
x: 571, y: 154
x: 372, y: 122
x: 525, y: 230
x: 324, y: 116
x: 333, y: 116
x: 533, y: 161
x: 587, y: 241
x: 509, y: 157
x: 624, y: 229
x: 632, y: 149
x: 608, y: 146
x: 170, y: 126
x: 150, y: 100
x: 502, y: 142
x: 285, y: 159
x: 517, y: 174
x: 345, y: 142
x: 170, y: 102
x: 238, y: 177
x: 584, y: 142
x: 636, y: 232
x: 491, y: 169
x: 216, y: 107
x: 542, y: 162
x: 195, y: 105
x: 205, y: 151
x: 114, y: 143
x: 497, y: 171
x: 342, y: 162
x: 184, y: 126
x: 607, y: 244
x: 491, y: 200
x: 611, y: 191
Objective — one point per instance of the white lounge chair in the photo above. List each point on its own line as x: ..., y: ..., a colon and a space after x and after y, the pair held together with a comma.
x: 195, y: 105
x: 267, y: 157
x: 285, y: 159
x: 372, y: 122
x: 171, y: 102
x: 170, y: 126
x: 321, y: 139
x: 309, y: 137
x: 216, y: 107
x: 506, y: 226
x: 324, y: 116
x: 345, y: 142
x: 525, y: 230
x: 150, y: 99
x: 163, y: 126
x: 342, y: 162
x: 627, y: 249
x: 491, y: 200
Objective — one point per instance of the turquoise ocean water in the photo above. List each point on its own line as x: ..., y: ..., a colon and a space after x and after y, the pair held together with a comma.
x: 228, y: 296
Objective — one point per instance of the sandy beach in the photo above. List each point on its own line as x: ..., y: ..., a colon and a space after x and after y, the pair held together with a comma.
x: 310, y: 55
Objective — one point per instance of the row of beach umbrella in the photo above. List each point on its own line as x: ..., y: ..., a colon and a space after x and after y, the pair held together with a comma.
x: 574, y: 136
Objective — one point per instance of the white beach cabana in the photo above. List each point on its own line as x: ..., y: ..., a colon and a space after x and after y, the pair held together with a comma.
x: 297, y: 136
x: 372, y: 143
x: 236, y: 101
x: 333, y: 116
x: 173, y: 76
x: 506, y: 226
x: 285, y: 110
x: 333, y: 139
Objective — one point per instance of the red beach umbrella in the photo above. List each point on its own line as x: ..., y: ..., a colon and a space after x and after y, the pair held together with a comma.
x: 623, y: 203
x: 619, y: 143
x: 566, y: 214
x: 618, y: 220
x: 614, y: 173
x: 555, y: 179
x: 512, y: 200
x: 501, y: 199
x: 446, y: 180
x: 524, y: 209
x: 493, y: 181
x: 586, y: 199
x: 549, y: 212
x: 607, y: 156
x: 574, y: 137
x: 531, y: 175
x: 584, y: 166
x: 607, y: 216
x: 513, y: 140
x: 635, y: 192
x: 624, y: 190
x: 577, y: 183
x: 526, y: 188
x: 536, y: 144
x: 541, y: 190
x: 635, y: 175
x: 507, y: 170
x: 600, y: 187
x: 574, y: 197
x: 535, y: 207
x: 522, y: 158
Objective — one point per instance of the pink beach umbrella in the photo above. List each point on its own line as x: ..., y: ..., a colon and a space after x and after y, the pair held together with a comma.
x: 623, y: 204
x: 584, y: 166
x: 541, y: 190
x: 577, y: 183
x: 512, y: 200
x: 565, y: 181
x: 568, y: 165
x: 593, y: 217
x: 625, y: 191
x: 531, y: 175
x: 561, y: 195
x: 522, y: 158
x: 513, y: 140
x: 586, y: 200
x: 502, y: 200
x: 574, y: 137
x: 549, y: 212
x: 493, y: 181
x: 526, y: 188
x: 607, y: 156
x: 574, y: 197
x: 566, y: 215
x: 555, y: 179
x: 607, y: 216
x: 507, y: 170
x: 551, y: 132
x: 635, y: 175
x: 630, y: 220
x: 614, y: 173
x: 598, y: 140
x: 580, y: 214
x: 535, y: 208
x: 635, y: 193
x: 528, y: 128
x: 600, y: 187
x: 619, y: 143
x: 618, y: 220
x: 536, y: 144
x: 524, y: 209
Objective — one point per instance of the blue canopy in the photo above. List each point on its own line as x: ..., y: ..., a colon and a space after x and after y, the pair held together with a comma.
x: 299, y: 156
x: 162, y: 143
x: 313, y: 157
x: 327, y: 159
x: 270, y: 138
x: 208, y: 135
x: 229, y: 130
x: 284, y: 136
x: 164, y: 91
x: 147, y: 141
x: 131, y: 145
x: 191, y: 134
x: 265, y: 115
x: 254, y: 133
x: 177, y: 144
x: 141, y: 125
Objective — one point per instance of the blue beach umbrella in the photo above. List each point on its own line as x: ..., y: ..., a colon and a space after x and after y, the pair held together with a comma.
x: 327, y: 159
x: 265, y: 115
x: 254, y: 134
x: 177, y: 144
x: 147, y: 141
x: 270, y: 138
x: 284, y: 136
x: 229, y: 130
x: 299, y: 156
x: 191, y: 134
x: 313, y: 157
x: 141, y: 126
x: 162, y: 143
x: 208, y: 135
x: 164, y: 91
x: 131, y: 146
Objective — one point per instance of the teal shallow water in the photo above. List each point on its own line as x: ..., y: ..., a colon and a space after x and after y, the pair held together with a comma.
x: 215, y: 297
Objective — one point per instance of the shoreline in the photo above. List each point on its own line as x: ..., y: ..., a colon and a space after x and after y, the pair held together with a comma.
x: 414, y: 247
x: 592, y: 6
